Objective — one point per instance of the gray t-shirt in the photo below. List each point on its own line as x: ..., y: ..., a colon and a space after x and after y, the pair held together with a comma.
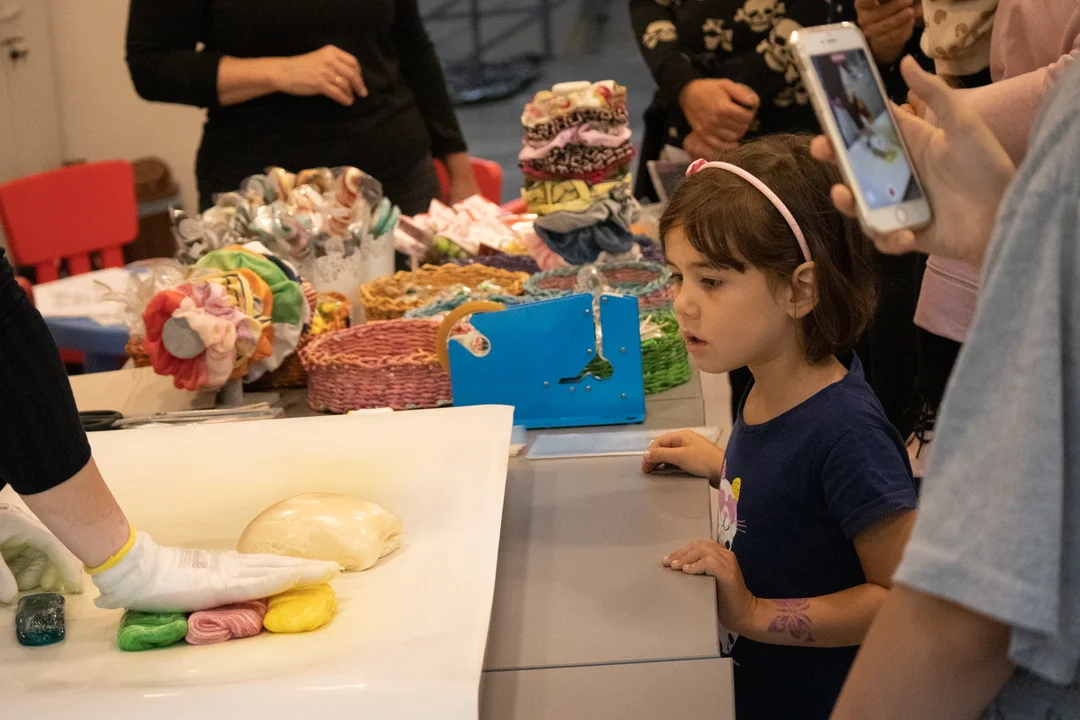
x: 999, y: 526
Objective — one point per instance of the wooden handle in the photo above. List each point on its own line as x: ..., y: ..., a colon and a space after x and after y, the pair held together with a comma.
x: 469, y: 308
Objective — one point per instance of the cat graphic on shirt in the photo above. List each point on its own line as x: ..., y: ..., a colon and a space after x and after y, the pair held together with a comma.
x: 727, y: 525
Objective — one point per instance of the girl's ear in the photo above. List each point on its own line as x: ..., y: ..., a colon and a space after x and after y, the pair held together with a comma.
x: 804, y: 295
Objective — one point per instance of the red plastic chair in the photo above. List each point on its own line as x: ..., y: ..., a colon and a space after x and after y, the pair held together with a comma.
x: 69, y: 214
x: 489, y: 177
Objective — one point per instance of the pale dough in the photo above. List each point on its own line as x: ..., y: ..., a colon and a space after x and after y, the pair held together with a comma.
x: 325, y: 526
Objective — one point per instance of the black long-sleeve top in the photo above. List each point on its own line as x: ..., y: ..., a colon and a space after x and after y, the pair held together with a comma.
x: 742, y: 40
x: 174, y: 48
x: 42, y: 442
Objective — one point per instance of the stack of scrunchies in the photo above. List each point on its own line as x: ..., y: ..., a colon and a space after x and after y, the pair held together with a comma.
x: 576, y: 161
x: 239, y: 315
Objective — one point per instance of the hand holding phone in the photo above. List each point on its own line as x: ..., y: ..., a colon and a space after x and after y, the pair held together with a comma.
x: 963, y: 166
x: 855, y: 113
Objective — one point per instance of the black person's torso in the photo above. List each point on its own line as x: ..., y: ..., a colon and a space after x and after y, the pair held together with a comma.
x: 748, y: 42
x: 377, y: 130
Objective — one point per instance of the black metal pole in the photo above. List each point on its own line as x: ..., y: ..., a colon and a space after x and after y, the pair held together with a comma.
x: 545, y: 23
x: 477, y: 41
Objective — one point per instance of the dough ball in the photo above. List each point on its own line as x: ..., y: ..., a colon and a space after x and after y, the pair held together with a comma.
x: 325, y: 526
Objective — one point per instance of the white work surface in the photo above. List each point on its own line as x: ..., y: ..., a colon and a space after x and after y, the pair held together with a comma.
x: 409, y: 637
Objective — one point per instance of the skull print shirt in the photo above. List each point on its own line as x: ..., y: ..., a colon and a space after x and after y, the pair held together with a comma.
x: 746, y: 41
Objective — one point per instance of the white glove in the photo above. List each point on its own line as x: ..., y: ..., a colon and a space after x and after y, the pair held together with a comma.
x: 31, y: 557
x: 165, y: 579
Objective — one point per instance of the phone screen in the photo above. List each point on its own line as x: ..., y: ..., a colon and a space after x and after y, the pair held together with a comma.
x: 872, y: 141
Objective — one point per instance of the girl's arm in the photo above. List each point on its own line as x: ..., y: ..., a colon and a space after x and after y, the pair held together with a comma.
x: 837, y: 620
x: 843, y: 618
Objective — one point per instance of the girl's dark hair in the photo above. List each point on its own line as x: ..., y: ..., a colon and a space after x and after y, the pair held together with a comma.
x: 733, y: 225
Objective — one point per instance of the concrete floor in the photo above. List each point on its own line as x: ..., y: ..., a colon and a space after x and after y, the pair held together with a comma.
x: 493, y: 130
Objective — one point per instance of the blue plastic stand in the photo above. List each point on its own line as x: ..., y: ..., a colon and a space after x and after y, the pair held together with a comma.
x: 535, y: 360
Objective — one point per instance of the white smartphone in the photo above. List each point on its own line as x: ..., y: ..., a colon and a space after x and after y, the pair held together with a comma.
x: 839, y: 72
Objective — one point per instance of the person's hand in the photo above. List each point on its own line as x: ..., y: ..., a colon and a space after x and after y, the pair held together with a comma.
x: 887, y: 25
x: 719, y: 110
x: 463, y: 183
x: 963, y: 167
x: 918, y: 106
x: 165, y: 579
x: 31, y: 557
x: 705, y: 557
x: 330, y: 71
x: 686, y: 450
x: 698, y: 147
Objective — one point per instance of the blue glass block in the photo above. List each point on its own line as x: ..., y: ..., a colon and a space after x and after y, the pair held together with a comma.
x: 39, y: 619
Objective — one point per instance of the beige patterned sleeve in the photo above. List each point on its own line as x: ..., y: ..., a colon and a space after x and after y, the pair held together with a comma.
x: 957, y: 34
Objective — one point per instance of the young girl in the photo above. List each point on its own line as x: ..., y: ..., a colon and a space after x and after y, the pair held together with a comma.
x: 816, y: 494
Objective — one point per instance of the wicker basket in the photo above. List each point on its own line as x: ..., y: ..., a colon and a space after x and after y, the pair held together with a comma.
x: 513, y: 263
x: 135, y: 351
x: 664, y: 360
x: 390, y: 298
x: 648, y: 282
x: 380, y: 364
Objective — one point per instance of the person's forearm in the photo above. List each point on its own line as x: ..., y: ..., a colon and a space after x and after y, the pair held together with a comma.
x: 83, y: 515
x: 925, y: 657
x: 1010, y: 107
x: 837, y: 620
x: 457, y: 165
x: 240, y: 80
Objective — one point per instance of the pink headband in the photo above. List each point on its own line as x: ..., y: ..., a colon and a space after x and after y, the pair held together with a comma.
x: 700, y: 165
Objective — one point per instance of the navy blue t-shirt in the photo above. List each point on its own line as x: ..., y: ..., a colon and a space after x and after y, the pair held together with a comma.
x: 794, y: 493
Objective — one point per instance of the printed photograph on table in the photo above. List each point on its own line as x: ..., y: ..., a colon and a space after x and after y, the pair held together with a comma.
x: 862, y: 114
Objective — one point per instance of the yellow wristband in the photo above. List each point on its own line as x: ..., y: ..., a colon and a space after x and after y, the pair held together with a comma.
x: 115, y: 559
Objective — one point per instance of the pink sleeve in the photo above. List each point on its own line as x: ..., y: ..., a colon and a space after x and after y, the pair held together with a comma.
x: 1009, y: 107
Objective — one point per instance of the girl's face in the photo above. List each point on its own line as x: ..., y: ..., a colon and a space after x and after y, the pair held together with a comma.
x: 729, y: 319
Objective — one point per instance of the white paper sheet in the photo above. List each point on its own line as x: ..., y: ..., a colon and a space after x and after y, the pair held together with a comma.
x: 409, y: 637
x: 81, y: 296
x: 626, y: 442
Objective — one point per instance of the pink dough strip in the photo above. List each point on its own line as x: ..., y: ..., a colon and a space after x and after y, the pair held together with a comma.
x: 217, y: 625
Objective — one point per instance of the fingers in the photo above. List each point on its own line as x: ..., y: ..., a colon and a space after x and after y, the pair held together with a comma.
x: 907, y: 108
x: 255, y: 588
x: 8, y: 587
x: 917, y: 103
x: 744, y: 96
x: 843, y: 200
x: 331, y: 88
x: 822, y: 149
x: 896, y: 243
x: 310, y: 572
x: 657, y: 455
x: 689, y: 554
x: 349, y: 68
x: 899, y: 22
x: 934, y: 91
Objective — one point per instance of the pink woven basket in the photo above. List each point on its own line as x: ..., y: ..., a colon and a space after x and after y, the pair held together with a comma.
x: 381, y: 364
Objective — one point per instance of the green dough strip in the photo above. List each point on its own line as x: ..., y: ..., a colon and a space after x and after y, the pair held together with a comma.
x: 146, y: 630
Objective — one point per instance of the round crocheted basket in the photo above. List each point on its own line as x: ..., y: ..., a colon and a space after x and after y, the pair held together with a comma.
x: 381, y: 364
x: 664, y: 360
x: 648, y: 282
x: 391, y: 297
x: 445, y: 306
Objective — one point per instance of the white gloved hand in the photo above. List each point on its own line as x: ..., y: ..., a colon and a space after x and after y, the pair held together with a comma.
x: 31, y: 557
x: 165, y: 579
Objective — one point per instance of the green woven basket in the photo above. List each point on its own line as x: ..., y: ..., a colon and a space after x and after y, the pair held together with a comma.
x: 664, y: 361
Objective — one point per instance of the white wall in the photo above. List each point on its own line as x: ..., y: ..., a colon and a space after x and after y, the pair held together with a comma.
x: 101, y: 115
x: 29, y: 122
